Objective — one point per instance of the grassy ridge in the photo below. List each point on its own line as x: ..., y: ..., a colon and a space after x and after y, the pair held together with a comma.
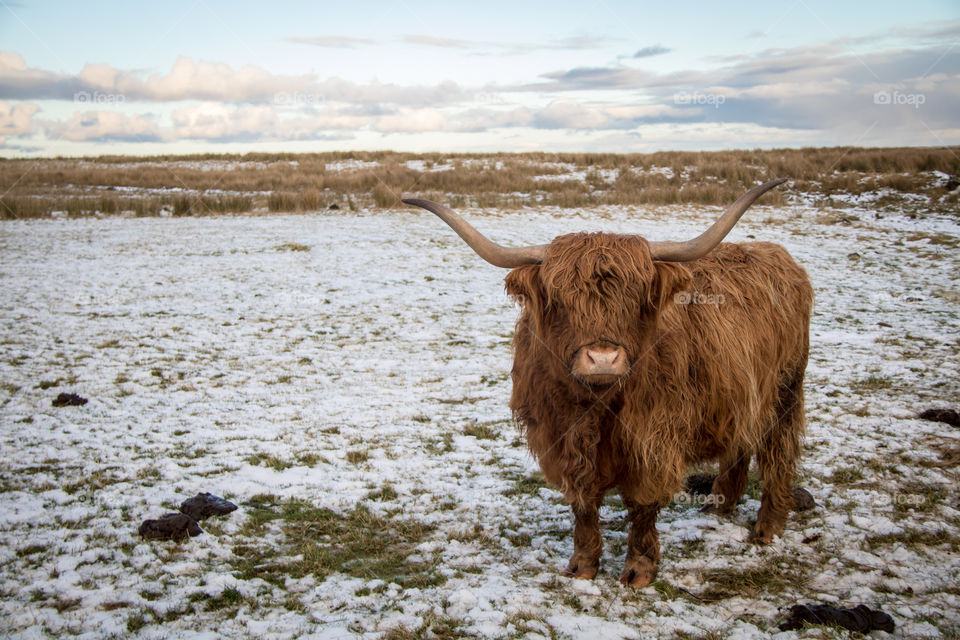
x: 215, y: 184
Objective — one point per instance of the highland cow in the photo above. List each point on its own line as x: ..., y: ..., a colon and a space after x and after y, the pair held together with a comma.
x: 634, y: 359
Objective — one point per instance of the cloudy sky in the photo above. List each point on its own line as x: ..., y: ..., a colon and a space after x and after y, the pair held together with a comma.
x: 80, y: 78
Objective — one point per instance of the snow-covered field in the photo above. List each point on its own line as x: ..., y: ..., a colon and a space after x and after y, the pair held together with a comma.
x: 345, y: 378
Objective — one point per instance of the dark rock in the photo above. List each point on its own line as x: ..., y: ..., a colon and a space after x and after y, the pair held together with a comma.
x: 700, y: 484
x: 69, y: 400
x: 172, y: 526
x: 802, y: 500
x: 861, y: 618
x: 203, y: 505
x: 949, y: 416
x: 333, y: 207
x: 952, y: 183
x: 853, y: 256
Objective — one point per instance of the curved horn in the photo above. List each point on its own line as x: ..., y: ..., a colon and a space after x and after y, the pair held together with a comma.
x: 706, y: 241
x: 493, y: 253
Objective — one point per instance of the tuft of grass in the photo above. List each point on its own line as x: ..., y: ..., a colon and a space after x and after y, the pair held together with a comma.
x: 480, y: 431
x: 230, y: 599
x: 358, y: 456
x: 437, y: 627
x: 913, y: 539
x: 846, y: 475
x: 292, y: 246
x: 136, y: 622
x: 526, y: 485
x: 310, y: 540
x: 268, y: 460
x: 774, y: 576
x: 873, y: 382
x: 30, y: 550
x: 309, y: 459
x: 441, y: 446
x: 384, y: 493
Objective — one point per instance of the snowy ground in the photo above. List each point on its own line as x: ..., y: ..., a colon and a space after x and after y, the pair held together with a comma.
x: 345, y: 378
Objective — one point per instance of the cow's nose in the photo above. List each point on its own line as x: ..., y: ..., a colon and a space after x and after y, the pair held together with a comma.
x: 603, y: 360
x: 600, y: 362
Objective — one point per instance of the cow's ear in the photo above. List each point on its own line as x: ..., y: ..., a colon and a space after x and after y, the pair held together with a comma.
x: 523, y: 284
x: 672, y: 279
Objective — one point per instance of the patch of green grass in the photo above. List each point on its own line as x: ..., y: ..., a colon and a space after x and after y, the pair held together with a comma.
x: 292, y: 246
x: 873, y: 382
x: 318, y: 541
x: 384, y: 493
x: 63, y: 603
x: 93, y: 481
x: 437, y: 627
x: 691, y: 548
x: 309, y: 459
x: 712, y: 635
x: 230, y: 598
x: 480, y: 431
x: 30, y: 550
x: 358, y: 456
x: 526, y: 485
x: 667, y: 590
x: 149, y: 473
x: 441, y: 446
x: 136, y: 622
x: 476, y: 533
x: 913, y: 538
x: 268, y: 460
x: 846, y: 475
x: 773, y: 576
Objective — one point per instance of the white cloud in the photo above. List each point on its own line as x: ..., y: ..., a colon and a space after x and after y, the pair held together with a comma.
x: 412, y: 120
x: 215, y: 121
x: 101, y: 76
x: 334, y: 42
x: 209, y: 81
x: 16, y: 119
x: 103, y: 126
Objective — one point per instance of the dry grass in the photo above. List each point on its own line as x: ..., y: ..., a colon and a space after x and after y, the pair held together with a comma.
x: 217, y: 184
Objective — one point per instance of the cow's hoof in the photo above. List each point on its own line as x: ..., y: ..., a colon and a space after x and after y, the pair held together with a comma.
x: 765, y: 532
x: 639, y: 572
x: 581, y: 568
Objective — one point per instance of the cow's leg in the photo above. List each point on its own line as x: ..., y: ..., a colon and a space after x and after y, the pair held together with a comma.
x: 777, y: 457
x: 643, y: 545
x: 730, y: 483
x: 587, y: 541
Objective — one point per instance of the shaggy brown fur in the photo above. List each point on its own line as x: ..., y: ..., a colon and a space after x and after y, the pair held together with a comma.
x: 718, y: 379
